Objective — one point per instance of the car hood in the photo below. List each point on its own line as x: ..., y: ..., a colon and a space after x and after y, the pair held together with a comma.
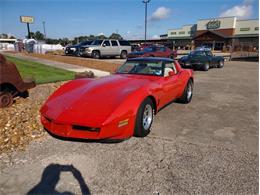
x: 73, y: 46
x: 93, y: 102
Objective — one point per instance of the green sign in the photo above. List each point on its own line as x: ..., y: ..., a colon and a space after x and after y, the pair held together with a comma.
x: 214, y: 24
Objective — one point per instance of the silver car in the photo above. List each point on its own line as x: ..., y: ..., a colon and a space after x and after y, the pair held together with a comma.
x: 107, y: 47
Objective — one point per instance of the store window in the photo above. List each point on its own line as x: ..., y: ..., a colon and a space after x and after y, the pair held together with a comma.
x: 244, y: 29
x: 257, y: 28
x: 173, y: 33
x: 181, y: 32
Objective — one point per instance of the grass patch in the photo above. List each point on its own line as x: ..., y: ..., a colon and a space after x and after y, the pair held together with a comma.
x: 39, y: 72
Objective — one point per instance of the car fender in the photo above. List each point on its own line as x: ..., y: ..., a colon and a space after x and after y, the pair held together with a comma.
x: 132, y: 102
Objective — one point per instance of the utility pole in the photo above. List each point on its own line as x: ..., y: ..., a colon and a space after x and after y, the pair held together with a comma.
x: 145, y: 18
x: 43, y: 23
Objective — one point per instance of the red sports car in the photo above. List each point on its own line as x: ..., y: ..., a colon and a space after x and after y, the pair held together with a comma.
x: 117, y: 106
x: 154, y: 51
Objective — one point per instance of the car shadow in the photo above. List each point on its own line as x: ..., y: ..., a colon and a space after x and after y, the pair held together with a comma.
x: 51, y: 177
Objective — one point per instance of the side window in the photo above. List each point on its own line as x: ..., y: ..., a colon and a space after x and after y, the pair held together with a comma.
x: 200, y: 53
x: 169, y: 67
x: 107, y: 43
x: 124, y: 43
x: 114, y: 43
x: 209, y: 53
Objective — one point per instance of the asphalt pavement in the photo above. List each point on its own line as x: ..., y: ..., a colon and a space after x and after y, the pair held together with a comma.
x: 209, y: 146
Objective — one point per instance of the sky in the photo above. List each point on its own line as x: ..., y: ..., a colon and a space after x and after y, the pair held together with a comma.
x: 71, y: 18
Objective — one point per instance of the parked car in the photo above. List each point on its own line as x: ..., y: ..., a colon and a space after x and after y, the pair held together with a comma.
x: 120, y: 105
x: 11, y: 83
x: 107, y: 47
x: 76, y: 49
x: 154, y: 51
x: 201, y: 59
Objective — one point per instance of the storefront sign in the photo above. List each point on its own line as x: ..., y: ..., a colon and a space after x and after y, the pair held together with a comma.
x: 214, y: 24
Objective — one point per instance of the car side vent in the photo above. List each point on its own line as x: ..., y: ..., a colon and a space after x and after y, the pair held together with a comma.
x: 85, y: 128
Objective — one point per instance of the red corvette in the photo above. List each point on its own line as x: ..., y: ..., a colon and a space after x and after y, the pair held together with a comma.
x: 117, y: 106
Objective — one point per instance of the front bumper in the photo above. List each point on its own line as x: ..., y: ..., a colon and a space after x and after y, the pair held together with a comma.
x: 86, y: 53
x: 109, y: 131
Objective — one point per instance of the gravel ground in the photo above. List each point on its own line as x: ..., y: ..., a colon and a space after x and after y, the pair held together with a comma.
x: 20, y: 123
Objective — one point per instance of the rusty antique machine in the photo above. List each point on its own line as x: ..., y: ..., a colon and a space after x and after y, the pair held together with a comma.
x: 11, y: 83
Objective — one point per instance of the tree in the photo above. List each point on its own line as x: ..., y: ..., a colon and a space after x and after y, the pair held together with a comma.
x: 3, y: 36
x: 32, y: 35
x: 39, y: 36
x: 115, y: 36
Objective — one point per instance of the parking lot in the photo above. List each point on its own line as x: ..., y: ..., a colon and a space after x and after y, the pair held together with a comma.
x: 209, y: 146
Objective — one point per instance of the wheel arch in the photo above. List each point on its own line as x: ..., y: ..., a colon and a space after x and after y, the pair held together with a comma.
x: 154, y: 102
x: 8, y: 86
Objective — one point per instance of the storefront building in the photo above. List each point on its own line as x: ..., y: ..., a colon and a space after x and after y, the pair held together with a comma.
x: 226, y: 34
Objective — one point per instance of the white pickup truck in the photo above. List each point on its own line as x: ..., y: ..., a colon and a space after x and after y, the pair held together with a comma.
x: 106, y: 47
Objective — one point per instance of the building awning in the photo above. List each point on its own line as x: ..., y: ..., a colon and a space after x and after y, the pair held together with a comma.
x: 212, y: 32
x: 179, y: 38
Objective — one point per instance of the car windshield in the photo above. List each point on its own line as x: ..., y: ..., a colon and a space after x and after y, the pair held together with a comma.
x: 83, y: 43
x: 197, y: 53
x: 141, y: 67
x: 96, y: 42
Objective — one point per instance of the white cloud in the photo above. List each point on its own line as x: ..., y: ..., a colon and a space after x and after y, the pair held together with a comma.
x: 155, y: 37
x: 99, y: 34
x: 242, y: 11
x: 160, y: 13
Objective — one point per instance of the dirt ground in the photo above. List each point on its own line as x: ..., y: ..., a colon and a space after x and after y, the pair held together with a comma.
x: 209, y: 146
x: 81, y: 61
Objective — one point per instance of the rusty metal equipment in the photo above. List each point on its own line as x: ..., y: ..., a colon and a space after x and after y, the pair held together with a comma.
x: 11, y: 83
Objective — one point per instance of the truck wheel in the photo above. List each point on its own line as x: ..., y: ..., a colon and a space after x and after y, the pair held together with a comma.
x: 123, y: 55
x: 220, y: 64
x: 144, y: 118
x: 96, y: 54
x: 6, y: 99
x: 206, y: 66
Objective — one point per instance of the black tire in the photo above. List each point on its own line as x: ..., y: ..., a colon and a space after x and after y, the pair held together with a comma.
x: 24, y: 94
x: 186, y: 97
x: 140, y: 130
x: 205, y: 67
x: 123, y: 55
x: 6, y: 99
x: 96, y: 54
x: 221, y: 64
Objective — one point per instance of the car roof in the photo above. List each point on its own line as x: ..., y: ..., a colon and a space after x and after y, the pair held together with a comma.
x: 152, y: 59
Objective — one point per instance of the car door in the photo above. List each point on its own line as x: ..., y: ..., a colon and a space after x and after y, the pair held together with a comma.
x: 170, y: 84
x: 115, y: 48
x: 106, y: 48
x: 210, y: 58
x: 160, y: 52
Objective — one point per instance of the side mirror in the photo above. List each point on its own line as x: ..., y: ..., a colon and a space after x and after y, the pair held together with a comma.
x: 171, y: 73
x: 104, y: 45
